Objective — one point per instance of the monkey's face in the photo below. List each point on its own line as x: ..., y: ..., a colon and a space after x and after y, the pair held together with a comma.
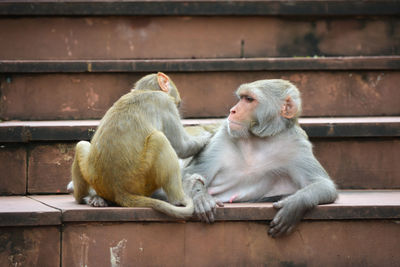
x: 241, y: 115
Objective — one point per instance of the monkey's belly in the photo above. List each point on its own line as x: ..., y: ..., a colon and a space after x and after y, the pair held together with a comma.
x: 231, y: 188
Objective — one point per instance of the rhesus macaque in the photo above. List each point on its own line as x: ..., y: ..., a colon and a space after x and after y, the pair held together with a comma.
x: 260, y: 152
x: 135, y: 151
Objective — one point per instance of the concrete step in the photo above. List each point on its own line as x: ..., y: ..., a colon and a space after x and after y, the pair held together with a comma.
x: 359, y: 153
x: 79, y: 89
x: 84, y: 30
x: 54, y: 231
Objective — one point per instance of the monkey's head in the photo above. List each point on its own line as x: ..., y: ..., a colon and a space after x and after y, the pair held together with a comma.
x: 265, y: 108
x: 159, y: 82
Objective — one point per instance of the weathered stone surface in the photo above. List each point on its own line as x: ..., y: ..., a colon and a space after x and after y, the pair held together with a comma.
x: 353, y: 227
x: 361, y: 164
x: 368, y: 163
x: 12, y: 169
x: 30, y: 246
x: 350, y: 205
x: 24, y: 211
x: 49, y: 169
x: 231, y: 243
x: 196, y: 37
x: 204, y: 94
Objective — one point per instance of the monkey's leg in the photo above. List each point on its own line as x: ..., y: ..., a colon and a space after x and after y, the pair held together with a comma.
x: 81, y: 186
x: 166, y: 169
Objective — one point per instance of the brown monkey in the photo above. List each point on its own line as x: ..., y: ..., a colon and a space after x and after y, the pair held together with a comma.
x: 260, y: 153
x: 135, y: 151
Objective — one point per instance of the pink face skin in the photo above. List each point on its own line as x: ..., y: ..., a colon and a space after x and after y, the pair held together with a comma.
x: 241, y: 114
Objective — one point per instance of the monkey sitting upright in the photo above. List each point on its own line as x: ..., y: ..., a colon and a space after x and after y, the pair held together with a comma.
x: 135, y: 150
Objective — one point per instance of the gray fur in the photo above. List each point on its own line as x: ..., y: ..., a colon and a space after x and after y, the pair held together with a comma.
x: 287, y: 155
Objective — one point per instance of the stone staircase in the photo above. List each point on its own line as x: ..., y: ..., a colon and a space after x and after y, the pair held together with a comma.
x: 63, y: 64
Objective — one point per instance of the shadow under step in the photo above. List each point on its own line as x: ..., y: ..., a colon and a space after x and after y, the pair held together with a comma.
x: 199, y: 7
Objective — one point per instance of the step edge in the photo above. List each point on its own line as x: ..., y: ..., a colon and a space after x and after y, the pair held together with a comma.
x: 380, y: 204
x: 31, y: 131
x: 199, y: 65
x: 32, y: 213
x: 386, y: 206
x: 196, y: 8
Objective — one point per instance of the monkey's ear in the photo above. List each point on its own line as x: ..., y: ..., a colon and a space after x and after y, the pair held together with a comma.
x: 289, y: 108
x: 163, y: 82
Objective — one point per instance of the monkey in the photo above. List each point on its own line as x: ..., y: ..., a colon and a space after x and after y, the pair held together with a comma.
x: 135, y: 151
x: 95, y: 200
x: 260, y: 153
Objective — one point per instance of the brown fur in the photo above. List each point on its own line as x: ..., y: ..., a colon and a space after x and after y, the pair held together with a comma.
x: 133, y: 151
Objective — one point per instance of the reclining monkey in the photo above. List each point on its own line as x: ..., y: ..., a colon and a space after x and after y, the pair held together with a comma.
x: 260, y: 152
x: 135, y: 150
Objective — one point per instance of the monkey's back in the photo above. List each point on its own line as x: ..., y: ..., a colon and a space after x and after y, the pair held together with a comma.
x: 117, y: 145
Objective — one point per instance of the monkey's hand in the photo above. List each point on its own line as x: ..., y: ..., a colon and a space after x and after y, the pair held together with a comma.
x: 204, y: 138
x: 204, y: 204
x: 291, y: 210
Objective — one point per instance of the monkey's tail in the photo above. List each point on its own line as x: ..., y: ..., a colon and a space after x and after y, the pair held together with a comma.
x: 128, y: 200
x: 78, y: 171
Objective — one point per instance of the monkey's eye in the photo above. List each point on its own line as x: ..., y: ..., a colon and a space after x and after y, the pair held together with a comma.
x: 247, y: 98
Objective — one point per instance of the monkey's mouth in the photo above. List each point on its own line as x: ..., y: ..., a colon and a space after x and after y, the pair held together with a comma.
x: 235, y: 125
x: 235, y: 122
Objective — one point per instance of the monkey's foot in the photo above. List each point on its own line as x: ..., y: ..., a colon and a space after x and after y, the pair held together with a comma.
x: 96, y: 201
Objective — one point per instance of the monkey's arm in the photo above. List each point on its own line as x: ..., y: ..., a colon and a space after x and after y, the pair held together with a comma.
x: 198, y: 175
x: 317, y: 188
x: 184, y: 144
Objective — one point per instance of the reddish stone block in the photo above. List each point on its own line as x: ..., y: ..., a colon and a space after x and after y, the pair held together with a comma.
x: 361, y: 164
x: 127, y: 37
x: 126, y: 244
x: 60, y: 96
x: 25, y: 211
x: 204, y: 94
x: 30, y: 246
x: 351, y: 243
x: 49, y: 168
x: 350, y: 205
x: 12, y: 170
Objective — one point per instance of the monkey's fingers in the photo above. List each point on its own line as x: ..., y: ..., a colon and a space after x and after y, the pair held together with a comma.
x: 276, y: 227
x: 209, y: 204
x: 277, y: 219
x: 219, y: 203
x: 279, y: 230
x: 201, y: 210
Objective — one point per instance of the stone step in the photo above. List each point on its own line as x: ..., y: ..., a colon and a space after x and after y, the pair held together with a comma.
x: 359, y: 153
x: 54, y: 231
x: 195, y: 37
x: 78, y: 89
